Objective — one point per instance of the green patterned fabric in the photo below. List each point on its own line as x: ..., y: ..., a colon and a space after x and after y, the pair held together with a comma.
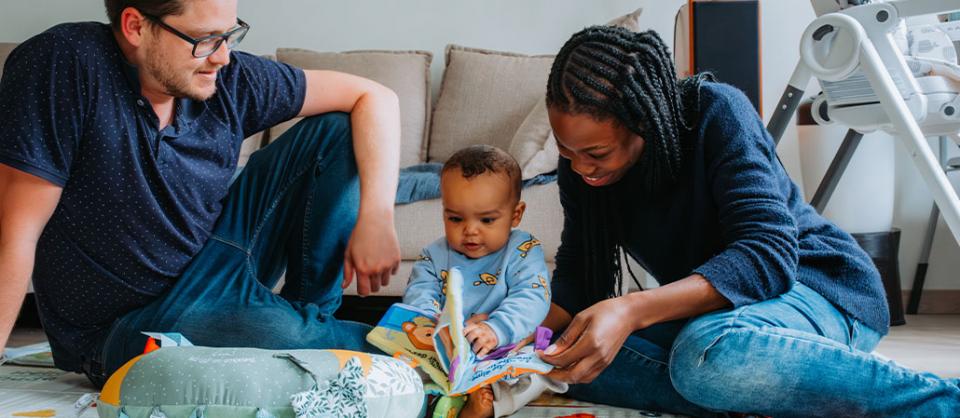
x: 338, y: 398
x: 208, y: 382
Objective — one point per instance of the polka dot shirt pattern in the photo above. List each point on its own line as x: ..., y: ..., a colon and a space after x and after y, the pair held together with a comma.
x: 138, y: 203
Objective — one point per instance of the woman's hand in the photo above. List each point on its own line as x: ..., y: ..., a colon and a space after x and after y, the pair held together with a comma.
x: 591, y: 341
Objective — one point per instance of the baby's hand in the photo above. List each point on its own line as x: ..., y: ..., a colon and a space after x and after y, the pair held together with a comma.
x: 481, y: 337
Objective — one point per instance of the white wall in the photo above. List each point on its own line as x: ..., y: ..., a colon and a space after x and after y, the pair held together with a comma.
x: 527, y: 26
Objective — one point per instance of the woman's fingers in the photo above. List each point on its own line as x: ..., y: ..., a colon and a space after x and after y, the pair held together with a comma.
x: 567, y: 350
x: 576, y: 372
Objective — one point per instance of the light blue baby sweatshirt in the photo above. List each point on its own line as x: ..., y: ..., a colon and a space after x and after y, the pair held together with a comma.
x: 511, y: 285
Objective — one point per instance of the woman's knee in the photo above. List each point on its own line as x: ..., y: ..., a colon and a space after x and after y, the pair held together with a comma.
x: 707, y: 364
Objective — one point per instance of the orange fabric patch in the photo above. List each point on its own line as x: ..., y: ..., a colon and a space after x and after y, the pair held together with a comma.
x: 111, y: 390
x: 343, y: 356
x: 40, y: 413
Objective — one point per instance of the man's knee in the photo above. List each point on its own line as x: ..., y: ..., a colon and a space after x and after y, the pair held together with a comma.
x: 333, y: 123
x: 317, y: 137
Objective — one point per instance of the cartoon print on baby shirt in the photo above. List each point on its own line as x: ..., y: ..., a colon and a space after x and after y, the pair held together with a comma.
x: 542, y: 284
x: 443, y: 280
x: 487, y: 279
x: 526, y: 246
x: 420, y: 332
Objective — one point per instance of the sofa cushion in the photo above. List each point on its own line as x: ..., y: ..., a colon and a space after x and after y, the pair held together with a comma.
x: 484, y: 97
x: 406, y: 72
x: 629, y: 21
x: 533, y: 145
x: 5, y: 49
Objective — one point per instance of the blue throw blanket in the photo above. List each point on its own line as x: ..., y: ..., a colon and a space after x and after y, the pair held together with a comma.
x: 422, y: 182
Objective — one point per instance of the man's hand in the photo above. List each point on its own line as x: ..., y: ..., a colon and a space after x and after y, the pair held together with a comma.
x: 480, y: 336
x: 373, y: 254
x: 591, y: 342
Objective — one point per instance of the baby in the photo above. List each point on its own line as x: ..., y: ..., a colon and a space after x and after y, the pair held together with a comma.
x: 506, y: 292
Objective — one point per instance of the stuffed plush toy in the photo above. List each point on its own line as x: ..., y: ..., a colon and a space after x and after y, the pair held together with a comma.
x: 211, y: 382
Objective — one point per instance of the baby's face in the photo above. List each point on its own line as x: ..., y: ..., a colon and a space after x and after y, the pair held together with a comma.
x: 478, y: 213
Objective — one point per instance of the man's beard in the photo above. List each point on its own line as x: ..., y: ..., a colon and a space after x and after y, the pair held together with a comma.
x: 174, y: 83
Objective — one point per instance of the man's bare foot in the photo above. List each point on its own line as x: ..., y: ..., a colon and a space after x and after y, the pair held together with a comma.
x: 479, y: 404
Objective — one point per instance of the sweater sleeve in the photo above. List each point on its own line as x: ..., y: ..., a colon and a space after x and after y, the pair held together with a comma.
x: 759, y: 257
x: 569, y: 271
x: 425, y: 288
x: 528, y: 293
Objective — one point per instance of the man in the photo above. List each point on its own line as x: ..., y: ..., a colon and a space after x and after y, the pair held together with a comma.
x: 117, y: 146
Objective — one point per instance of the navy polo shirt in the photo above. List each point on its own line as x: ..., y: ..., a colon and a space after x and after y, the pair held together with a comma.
x: 138, y: 202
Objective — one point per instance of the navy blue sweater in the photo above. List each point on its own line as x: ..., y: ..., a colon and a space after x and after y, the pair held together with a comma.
x: 734, y: 217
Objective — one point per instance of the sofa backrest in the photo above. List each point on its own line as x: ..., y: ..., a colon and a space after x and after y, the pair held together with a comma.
x: 484, y: 98
x: 406, y: 72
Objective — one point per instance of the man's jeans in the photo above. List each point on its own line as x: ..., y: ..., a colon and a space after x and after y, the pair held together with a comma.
x: 292, y: 208
x: 792, y: 356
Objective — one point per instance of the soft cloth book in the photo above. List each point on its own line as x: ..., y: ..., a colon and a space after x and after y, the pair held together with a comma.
x: 437, y: 345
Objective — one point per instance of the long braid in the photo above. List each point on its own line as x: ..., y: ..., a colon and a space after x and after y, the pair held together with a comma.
x: 614, y: 74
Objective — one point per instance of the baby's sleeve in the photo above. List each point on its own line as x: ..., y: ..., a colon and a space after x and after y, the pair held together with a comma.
x: 425, y: 287
x: 528, y: 293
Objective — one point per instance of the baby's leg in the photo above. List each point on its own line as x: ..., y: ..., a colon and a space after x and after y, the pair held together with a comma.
x: 479, y: 404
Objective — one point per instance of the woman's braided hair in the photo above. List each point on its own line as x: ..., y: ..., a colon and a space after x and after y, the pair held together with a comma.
x: 611, y: 73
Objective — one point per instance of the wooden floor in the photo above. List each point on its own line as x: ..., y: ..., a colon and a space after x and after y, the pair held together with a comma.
x: 927, y: 342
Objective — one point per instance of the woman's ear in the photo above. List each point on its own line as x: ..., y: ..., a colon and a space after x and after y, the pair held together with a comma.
x: 518, y: 214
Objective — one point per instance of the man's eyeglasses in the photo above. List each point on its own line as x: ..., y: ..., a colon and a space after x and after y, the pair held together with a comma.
x: 207, y: 45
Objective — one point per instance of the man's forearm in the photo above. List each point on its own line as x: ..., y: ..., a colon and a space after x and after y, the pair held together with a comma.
x: 14, y: 279
x: 376, y: 128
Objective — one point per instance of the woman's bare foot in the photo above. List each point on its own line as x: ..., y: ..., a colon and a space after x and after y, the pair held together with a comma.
x: 479, y: 404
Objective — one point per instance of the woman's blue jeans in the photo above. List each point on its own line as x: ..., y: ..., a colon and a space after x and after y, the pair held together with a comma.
x: 792, y: 356
x: 292, y: 208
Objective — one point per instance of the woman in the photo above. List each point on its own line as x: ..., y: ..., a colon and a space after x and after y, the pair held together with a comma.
x: 764, y: 306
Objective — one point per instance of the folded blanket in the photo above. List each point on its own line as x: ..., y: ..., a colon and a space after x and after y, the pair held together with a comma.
x: 422, y: 182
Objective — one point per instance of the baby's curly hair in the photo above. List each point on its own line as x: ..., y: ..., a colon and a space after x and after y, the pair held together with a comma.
x: 478, y: 159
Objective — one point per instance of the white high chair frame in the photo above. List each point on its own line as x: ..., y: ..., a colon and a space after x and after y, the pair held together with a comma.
x: 868, y: 86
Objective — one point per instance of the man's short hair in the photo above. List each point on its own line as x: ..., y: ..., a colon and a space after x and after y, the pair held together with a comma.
x: 158, y: 8
x: 478, y: 159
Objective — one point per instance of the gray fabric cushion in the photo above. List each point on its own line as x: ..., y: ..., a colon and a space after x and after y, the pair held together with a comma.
x: 5, y: 49
x: 533, y: 145
x: 484, y: 98
x: 406, y: 72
